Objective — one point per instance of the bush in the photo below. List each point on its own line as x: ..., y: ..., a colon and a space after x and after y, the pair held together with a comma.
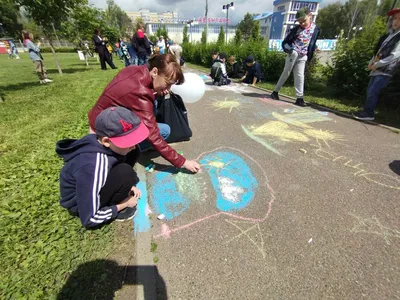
x: 59, y: 50
x: 272, y: 62
x: 349, y: 66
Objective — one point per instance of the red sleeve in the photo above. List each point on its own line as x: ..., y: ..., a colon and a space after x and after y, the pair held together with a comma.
x: 157, y: 141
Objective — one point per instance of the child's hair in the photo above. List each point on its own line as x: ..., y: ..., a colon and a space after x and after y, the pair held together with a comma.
x: 140, y: 26
x: 222, y: 55
x: 96, y: 31
x: 249, y: 59
x: 167, y: 65
x: 214, y: 53
x: 26, y: 35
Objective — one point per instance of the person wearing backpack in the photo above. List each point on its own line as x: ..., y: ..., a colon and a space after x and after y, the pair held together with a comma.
x: 218, y: 71
x: 383, y: 65
x: 141, y: 45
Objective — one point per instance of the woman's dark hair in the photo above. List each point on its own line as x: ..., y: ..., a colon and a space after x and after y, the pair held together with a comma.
x: 168, y: 66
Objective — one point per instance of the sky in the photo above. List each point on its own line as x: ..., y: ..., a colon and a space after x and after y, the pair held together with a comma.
x: 196, y: 8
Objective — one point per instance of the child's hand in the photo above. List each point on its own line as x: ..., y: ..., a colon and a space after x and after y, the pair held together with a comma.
x: 135, y: 192
x: 372, y: 67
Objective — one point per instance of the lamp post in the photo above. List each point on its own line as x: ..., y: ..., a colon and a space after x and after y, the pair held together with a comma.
x: 227, y: 7
x: 190, y: 23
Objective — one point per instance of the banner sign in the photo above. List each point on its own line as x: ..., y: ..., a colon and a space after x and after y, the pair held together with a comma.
x: 323, y: 45
x: 212, y: 20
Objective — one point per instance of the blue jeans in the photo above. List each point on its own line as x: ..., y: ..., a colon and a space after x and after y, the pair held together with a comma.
x: 142, y: 60
x: 165, y: 131
x: 376, y: 84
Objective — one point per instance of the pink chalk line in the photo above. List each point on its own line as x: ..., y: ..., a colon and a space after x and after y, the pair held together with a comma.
x: 166, y: 231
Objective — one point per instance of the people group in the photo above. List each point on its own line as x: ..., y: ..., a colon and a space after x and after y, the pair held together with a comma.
x: 98, y: 183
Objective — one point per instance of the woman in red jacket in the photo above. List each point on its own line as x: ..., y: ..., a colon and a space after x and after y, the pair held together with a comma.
x: 135, y: 88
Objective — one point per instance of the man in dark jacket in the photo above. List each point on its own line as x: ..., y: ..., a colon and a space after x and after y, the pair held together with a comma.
x: 299, y: 45
x: 141, y: 45
x: 100, y: 48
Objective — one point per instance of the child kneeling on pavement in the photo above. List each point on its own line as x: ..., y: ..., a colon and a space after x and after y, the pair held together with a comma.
x: 218, y: 71
x: 97, y: 182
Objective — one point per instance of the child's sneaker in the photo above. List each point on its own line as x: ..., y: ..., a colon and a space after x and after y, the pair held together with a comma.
x: 48, y: 80
x: 300, y: 102
x: 363, y: 116
x: 126, y: 214
x: 275, y: 96
x: 42, y: 81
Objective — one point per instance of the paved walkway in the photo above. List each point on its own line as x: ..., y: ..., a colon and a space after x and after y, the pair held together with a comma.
x: 291, y: 203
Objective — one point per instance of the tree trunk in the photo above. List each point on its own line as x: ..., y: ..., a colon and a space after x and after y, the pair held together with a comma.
x: 55, y: 56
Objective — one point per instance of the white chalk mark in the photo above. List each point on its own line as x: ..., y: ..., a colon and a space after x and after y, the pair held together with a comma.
x: 228, y: 190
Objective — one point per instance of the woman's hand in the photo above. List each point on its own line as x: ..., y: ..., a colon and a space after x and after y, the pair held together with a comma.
x: 192, y: 166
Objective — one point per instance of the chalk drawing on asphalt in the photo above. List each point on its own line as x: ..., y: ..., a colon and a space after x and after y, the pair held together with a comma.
x: 235, y: 186
x: 250, y: 231
x: 374, y: 226
x: 359, y: 167
x: 232, y: 180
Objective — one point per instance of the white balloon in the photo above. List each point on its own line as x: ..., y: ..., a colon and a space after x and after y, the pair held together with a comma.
x: 192, y: 90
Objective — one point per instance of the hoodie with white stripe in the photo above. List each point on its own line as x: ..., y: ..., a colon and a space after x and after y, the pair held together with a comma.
x: 87, y: 164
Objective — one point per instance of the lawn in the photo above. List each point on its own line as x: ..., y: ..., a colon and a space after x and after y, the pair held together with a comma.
x: 41, y: 244
x: 319, y: 93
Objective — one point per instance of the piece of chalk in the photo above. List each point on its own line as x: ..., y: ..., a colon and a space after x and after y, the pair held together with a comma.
x: 310, y: 241
x: 161, y: 217
x: 150, y: 166
x: 151, y: 170
x: 180, y: 152
x: 303, y: 150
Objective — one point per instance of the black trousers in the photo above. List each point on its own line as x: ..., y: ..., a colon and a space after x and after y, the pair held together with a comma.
x: 105, y: 57
x: 119, y: 181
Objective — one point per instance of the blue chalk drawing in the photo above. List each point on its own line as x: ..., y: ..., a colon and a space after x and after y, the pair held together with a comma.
x: 232, y: 180
x: 141, y: 220
x: 165, y: 197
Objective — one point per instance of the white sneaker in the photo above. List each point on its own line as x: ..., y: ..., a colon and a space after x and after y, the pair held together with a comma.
x: 47, y: 80
x: 42, y: 81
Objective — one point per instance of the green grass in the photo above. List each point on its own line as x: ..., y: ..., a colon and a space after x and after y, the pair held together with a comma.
x: 323, y: 95
x: 41, y: 244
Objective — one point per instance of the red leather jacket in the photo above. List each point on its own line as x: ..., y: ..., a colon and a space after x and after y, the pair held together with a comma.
x: 132, y: 88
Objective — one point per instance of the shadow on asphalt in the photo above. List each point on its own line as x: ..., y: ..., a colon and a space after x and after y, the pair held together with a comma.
x: 395, y: 166
x: 146, y: 158
x: 100, y: 279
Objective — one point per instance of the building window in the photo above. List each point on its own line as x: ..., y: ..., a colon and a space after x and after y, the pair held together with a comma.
x: 296, y: 5
x: 281, y: 8
x: 292, y: 18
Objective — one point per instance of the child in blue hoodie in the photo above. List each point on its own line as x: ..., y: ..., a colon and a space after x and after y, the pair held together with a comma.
x: 97, y: 182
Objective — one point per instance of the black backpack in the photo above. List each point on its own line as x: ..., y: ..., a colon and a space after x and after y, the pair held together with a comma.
x: 172, y: 111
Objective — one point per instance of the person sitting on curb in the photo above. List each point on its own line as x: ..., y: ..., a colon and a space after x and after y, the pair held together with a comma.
x: 299, y: 45
x: 382, y: 65
x: 218, y: 71
x: 236, y: 70
x: 253, y: 73
x: 135, y: 88
x: 97, y: 182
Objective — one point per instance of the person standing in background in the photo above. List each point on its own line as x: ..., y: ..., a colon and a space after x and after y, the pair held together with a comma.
x: 100, y: 48
x: 141, y: 45
x: 36, y: 57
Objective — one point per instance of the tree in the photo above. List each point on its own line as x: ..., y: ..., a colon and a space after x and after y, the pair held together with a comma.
x: 255, y: 33
x: 9, y: 17
x: 238, y: 38
x: 246, y: 26
x: 204, y: 36
x: 162, y: 31
x: 185, y: 35
x: 117, y: 19
x: 331, y: 20
x: 50, y: 16
x: 221, y: 36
